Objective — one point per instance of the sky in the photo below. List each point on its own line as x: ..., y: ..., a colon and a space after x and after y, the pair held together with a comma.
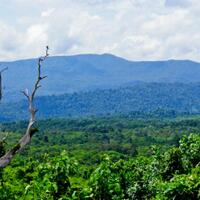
x: 133, y: 29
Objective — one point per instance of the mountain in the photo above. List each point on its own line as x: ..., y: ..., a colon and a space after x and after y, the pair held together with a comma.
x: 142, y: 97
x: 68, y: 74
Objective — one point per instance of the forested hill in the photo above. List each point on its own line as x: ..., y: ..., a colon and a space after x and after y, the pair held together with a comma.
x: 68, y: 74
x: 142, y: 97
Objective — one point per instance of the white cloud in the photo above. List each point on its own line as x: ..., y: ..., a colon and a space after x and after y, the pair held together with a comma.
x: 135, y: 29
x: 48, y: 13
x: 9, y: 41
x: 177, y: 3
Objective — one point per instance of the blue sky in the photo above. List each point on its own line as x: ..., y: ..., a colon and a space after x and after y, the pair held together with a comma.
x: 134, y: 29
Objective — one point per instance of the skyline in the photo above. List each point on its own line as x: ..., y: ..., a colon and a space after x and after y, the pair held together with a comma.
x: 132, y: 29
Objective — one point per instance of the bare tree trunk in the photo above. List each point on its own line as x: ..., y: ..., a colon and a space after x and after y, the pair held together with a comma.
x: 26, y: 138
x: 1, y: 85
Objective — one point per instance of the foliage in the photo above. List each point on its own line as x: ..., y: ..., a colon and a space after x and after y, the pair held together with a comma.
x: 152, y: 99
x: 88, y: 159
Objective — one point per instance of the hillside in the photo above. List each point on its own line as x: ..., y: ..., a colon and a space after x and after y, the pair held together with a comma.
x: 142, y: 97
x: 68, y: 74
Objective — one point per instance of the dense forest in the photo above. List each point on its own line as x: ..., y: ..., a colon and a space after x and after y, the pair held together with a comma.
x: 119, y: 157
x: 142, y: 97
x: 99, y: 100
x: 139, y: 142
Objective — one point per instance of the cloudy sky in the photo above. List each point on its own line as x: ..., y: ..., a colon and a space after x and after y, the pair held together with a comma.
x: 134, y: 29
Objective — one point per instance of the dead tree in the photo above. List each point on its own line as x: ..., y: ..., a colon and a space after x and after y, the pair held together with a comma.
x: 1, y: 85
x: 26, y: 138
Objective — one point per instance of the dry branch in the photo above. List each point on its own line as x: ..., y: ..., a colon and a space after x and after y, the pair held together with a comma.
x: 26, y: 138
x: 1, y: 88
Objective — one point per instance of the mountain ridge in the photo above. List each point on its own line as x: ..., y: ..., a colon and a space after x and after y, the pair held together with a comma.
x: 101, y: 54
x: 85, y: 72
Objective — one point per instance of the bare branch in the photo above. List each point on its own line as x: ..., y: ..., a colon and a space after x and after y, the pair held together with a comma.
x: 1, y: 89
x: 26, y: 93
x: 6, y: 159
x: 4, y: 69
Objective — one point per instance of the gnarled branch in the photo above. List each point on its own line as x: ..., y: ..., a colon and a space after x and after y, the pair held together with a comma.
x: 26, y: 138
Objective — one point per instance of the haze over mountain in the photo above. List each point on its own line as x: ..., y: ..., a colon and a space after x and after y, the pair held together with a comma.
x: 68, y: 74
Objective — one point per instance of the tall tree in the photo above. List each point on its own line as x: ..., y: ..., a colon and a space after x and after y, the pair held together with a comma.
x: 26, y: 138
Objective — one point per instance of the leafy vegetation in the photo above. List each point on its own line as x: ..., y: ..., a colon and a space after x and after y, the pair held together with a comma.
x: 142, y: 97
x: 105, y: 158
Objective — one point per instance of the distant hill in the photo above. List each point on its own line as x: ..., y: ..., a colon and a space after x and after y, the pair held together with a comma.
x: 142, y: 97
x: 68, y: 74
